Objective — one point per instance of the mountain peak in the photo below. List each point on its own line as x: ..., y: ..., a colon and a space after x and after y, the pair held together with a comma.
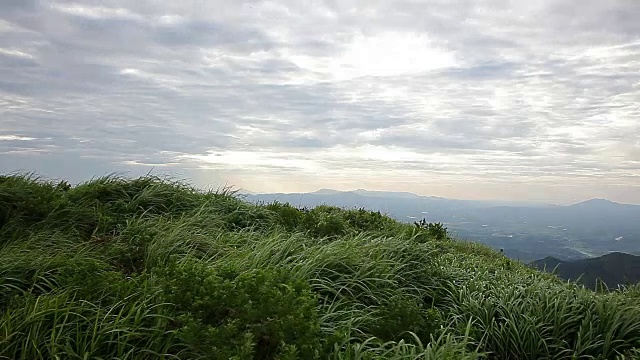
x: 596, y: 201
x: 326, y: 192
x: 378, y: 193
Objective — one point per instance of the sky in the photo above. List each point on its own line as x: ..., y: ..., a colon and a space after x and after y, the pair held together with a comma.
x: 507, y: 100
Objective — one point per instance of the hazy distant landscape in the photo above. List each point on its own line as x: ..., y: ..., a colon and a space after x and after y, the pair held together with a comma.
x: 525, y: 231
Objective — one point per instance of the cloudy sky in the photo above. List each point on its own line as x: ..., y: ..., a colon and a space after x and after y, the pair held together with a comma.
x: 514, y: 100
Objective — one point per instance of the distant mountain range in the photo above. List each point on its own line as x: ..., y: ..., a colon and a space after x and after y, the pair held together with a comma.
x: 525, y: 231
x: 613, y: 269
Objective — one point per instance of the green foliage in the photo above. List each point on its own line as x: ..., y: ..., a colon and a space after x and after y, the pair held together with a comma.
x: 434, y: 230
x: 329, y: 221
x: 287, y: 216
x: 519, y: 314
x: 362, y: 220
x: 325, y: 222
x: 446, y: 346
x: 25, y: 201
x: 259, y: 313
x: 58, y: 325
x: 400, y: 316
x: 150, y: 268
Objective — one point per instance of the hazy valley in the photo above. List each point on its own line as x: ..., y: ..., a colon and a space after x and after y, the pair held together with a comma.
x: 525, y: 231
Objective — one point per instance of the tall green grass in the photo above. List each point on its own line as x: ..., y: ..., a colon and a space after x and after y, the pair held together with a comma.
x: 151, y: 268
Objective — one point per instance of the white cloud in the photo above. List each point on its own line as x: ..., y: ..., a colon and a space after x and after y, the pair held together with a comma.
x: 96, y: 12
x: 385, y: 54
x: 16, y: 53
x: 15, y: 138
x: 249, y: 160
x: 439, y: 97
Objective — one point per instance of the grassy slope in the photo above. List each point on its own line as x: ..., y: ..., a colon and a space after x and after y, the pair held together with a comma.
x: 147, y: 268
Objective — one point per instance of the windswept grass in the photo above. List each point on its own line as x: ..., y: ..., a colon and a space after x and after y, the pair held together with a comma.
x: 150, y: 268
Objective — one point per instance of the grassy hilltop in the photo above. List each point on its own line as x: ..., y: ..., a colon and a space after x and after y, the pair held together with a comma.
x: 152, y: 269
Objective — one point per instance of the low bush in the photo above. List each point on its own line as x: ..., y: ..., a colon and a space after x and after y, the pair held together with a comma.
x: 260, y: 313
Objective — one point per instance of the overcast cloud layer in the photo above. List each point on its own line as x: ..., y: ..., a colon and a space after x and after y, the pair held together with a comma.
x: 533, y: 100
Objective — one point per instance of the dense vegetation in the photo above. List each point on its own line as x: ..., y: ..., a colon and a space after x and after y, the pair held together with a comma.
x: 148, y: 268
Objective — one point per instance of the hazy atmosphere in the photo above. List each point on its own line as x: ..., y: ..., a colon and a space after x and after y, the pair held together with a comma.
x: 507, y: 100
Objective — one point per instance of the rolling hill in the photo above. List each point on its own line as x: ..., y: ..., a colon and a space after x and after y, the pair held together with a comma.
x: 613, y: 269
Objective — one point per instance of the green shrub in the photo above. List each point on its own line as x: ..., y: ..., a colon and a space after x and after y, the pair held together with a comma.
x: 25, y: 202
x: 324, y: 222
x: 260, y: 313
x: 362, y: 220
x: 434, y: 230
x: 246, y: 217
x: 287, y: 216
x: 402, y: 315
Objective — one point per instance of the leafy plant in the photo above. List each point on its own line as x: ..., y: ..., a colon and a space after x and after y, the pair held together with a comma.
x: 435, y: 230
x: 259, y: 313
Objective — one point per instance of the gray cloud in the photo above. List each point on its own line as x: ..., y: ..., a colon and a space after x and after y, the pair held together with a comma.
x: 287, y: 96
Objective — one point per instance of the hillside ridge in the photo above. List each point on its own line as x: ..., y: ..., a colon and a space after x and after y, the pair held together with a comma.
x: 614, y: 269
x: 114, y: 267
